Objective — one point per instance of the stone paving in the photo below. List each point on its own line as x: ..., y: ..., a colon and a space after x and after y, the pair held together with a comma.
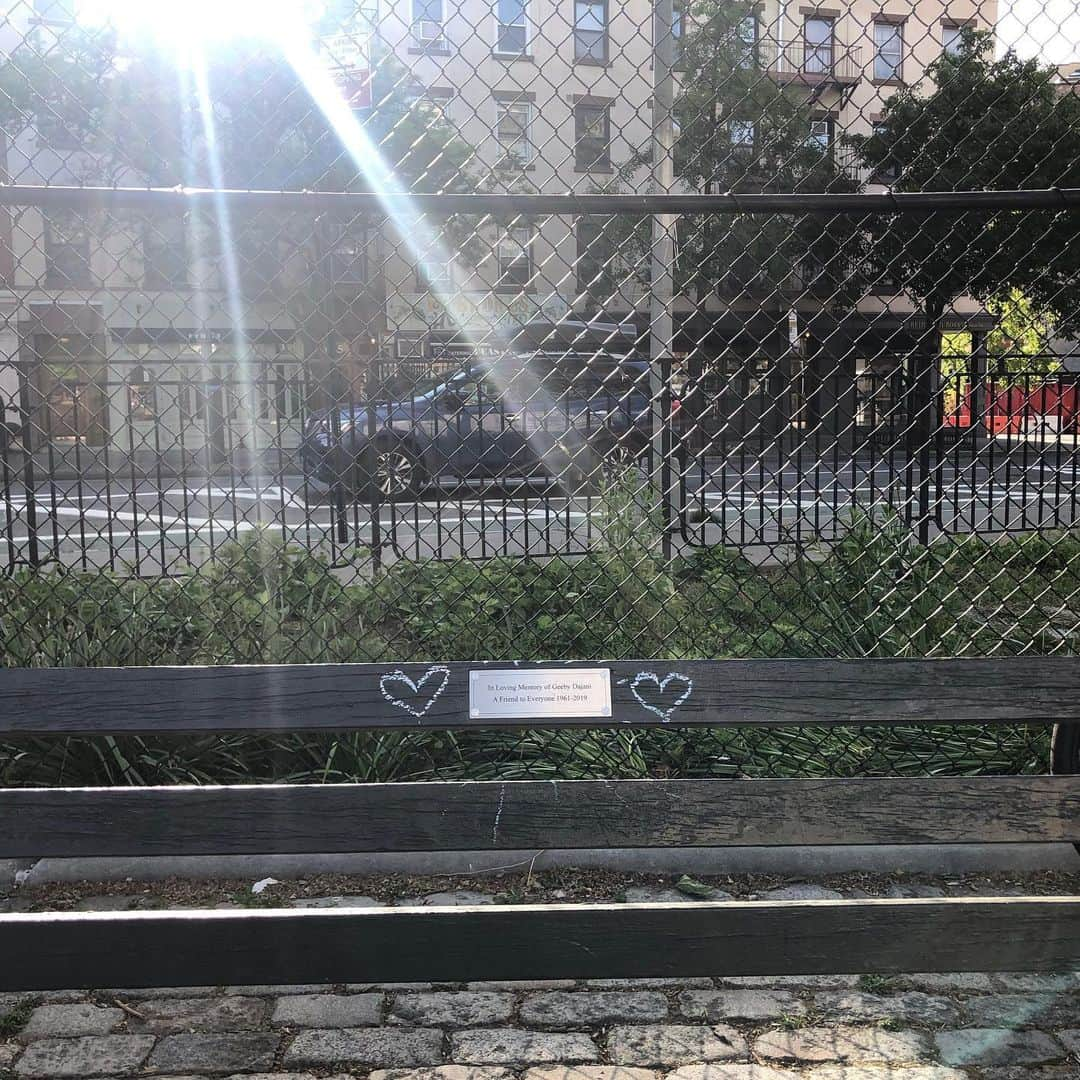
x: 912, y: 1027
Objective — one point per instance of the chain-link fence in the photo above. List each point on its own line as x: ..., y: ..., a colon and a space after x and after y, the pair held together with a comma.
x: 524, y: 329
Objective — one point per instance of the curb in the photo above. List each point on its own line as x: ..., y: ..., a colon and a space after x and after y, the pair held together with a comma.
x: 806, y: 861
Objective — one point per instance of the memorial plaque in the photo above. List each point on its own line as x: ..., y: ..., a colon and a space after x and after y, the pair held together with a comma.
x: 532, y: 694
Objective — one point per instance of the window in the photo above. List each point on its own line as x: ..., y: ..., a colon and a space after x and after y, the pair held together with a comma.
x: 952, y: 39
x: 142, y: 396
x: 512, y: 122
x: 888, y: 51
x: 818, y: 42
x: 514, y: 254
x: 67, y: 252
x: 511, y: 29
x: 592, y: 137
x: 741, y: 133
x: 746, y: 34
x: 427, y: 22
x: 590, y: 31
x: 821, y: 134
x: 346, y: 257
x: 887, y: 170
x: 594, y: 254
x: 165, y: 258
x: 433, y: 272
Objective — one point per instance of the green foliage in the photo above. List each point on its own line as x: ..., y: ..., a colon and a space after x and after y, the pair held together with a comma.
x: 740, y: 130
x: 15, y: 1019
x: 874, y: 593
x: 1019, y: 343
x: 980, y: 122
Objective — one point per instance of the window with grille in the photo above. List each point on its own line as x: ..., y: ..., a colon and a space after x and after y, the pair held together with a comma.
x: 67, y: 252
x: 514, y: 254
x: 592, y: 137
x: 591, y: 30
x: 511, y: 28
x: 818, y: 44
x: 821, y: 134
x: 512, y: 123
x: 888, y: 51
x: 428, y: 22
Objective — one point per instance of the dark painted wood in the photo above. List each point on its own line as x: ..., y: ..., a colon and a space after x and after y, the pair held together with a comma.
x: 51, y: 951
x: 349, y: 696
x: 278, y: 819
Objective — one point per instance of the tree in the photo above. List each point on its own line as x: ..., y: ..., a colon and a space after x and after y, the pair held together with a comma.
x: 981, y: 124
x: 740, y: 128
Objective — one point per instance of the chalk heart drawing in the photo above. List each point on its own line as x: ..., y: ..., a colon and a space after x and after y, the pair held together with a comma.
x: 420, y: 701
x: 659, y: 700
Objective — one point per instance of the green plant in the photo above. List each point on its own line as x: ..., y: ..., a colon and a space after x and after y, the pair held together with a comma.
x: 876, y: 984
x: 14, y: 1020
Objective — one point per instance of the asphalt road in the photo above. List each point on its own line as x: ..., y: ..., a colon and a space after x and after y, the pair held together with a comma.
x: 150, y: 529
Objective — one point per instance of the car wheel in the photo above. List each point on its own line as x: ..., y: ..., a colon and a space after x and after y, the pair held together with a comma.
x: 389, y: 472
x: 1065, y: 752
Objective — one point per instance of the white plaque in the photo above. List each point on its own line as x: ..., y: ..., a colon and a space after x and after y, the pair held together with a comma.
x: 536, y: 693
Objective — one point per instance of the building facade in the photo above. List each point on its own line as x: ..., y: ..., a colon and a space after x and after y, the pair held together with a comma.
x: 114, y: 330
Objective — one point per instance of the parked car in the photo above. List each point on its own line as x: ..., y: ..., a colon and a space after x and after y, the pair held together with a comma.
x: 562, y: 417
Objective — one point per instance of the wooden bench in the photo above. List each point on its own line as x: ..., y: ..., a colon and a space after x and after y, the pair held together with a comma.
x: 176, y: 948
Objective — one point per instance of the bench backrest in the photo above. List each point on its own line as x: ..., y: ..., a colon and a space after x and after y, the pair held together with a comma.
x: 639, y: 940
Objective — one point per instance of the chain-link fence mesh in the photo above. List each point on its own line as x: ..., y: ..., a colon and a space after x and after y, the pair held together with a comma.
x: 538, y: 329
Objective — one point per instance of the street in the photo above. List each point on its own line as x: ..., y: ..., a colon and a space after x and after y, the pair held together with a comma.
x: 147, y: 529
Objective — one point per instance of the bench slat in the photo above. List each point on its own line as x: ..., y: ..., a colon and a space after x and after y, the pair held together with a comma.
x: 284, y: 819
x: 164, y: 700
x: 96, y: 950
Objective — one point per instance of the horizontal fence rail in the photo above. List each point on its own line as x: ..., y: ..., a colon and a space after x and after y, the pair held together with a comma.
x: 342, y: 697
x: 530, y: 814
x: 354, y: 202
x: 492, y: 943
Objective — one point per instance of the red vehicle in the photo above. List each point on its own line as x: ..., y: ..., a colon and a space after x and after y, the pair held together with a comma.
x: 1042, y: 408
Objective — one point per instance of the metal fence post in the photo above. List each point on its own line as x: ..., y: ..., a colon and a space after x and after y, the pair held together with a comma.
x: 662, y: 261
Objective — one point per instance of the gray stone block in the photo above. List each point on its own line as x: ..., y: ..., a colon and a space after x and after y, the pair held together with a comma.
x: 383, y: 1048
x: 328, y: 1010
x: 1023, y: 1010
x: 660, y: 1045
x: 68, y: 1021
x: 845, y: 1044
x: 510, y: 1046
x: 910, y: 1007
x: 445, y: 1072
x: 997, y: 1046
x: 173, y: 1016
x: 743, y: 1003
x: 593, y: 1007
x: 247, y: 1052
x: 455, y: 1008
x: 104, y: 1055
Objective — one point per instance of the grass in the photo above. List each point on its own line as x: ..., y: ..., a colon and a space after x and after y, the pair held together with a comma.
x: 877, y: 984
x: 14, y: 1020
x: 874, y: 593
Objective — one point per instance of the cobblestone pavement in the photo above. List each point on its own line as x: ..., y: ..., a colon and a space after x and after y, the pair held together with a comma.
x: 914, y: 1027
x: 843, y: 1027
